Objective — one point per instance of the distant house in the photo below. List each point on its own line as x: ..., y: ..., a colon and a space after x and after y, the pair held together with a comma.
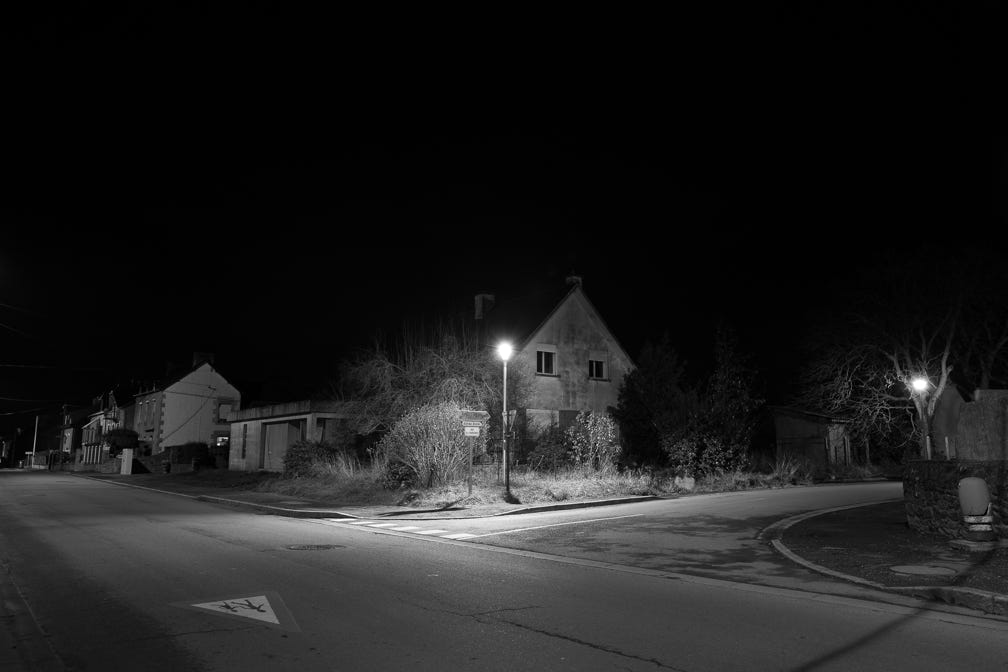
x: 193, y: 406
x: 107, y: 415
x: 820, y: 438
x: 562, y: 339
x: 261, y: 435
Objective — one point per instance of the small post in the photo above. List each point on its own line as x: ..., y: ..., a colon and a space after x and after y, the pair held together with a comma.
x: 470, y: 441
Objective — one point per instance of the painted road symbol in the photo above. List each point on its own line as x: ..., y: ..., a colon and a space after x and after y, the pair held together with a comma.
x: 266, y: 607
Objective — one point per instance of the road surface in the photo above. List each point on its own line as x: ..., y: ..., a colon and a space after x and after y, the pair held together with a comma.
x: 102, y: 577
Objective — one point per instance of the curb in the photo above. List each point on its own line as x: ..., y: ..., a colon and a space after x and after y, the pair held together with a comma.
x: 330, y: 513
x: 981, y: 600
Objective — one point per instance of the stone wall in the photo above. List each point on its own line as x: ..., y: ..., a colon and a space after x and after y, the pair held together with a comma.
x: 931, y: 494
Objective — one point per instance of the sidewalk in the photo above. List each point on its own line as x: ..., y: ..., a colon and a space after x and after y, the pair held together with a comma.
x: 873, y: 545
x: 868, y: 545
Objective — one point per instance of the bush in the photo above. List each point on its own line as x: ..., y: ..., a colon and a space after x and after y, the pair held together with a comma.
x: 430, y: 442
x: 591, y: 442
x: 699, y: 453
x: 397, y: 475
x: 548, y: 451
x: 315, y: 458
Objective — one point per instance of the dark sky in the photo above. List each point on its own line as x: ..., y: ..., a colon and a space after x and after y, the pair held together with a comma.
x: 276, y: 188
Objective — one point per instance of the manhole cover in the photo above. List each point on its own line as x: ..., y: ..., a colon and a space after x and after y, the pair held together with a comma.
x: 311, y: 547
x: 924, y: 570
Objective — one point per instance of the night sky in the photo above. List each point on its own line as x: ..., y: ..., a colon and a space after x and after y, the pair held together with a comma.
x: 276, y: 189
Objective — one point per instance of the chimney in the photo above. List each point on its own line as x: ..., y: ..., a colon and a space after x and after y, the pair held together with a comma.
x: 573, y: 279
x: 201, y: 357
x: 484, y: 302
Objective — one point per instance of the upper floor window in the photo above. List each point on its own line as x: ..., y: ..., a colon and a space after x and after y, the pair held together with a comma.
x: 224, y: 411
x: 546, y: 362
x: 596, y: 368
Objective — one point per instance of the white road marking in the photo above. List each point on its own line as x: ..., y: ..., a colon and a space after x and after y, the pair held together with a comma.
x: 433, y: 532
x: 540, y: 527
x: 404, y: 529
x: 356, y: 522
x: 381, y: 524
x: 460, y: 535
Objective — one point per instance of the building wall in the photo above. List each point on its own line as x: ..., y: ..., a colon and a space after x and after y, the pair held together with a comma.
x: 190, y: 409
x: 247, y: 440
x: 576, y: 334
x: 821, y: 442
x: 147, y: 419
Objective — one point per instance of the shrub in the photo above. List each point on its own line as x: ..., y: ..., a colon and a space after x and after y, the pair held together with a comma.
x: 549, y: 450
x: 315, y: 458
x: 591, y: 442
x: 700, y: 452
x: 430, y: 442
x: 397, y: 475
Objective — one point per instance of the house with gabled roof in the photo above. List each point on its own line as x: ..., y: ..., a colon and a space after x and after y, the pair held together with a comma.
x: 194, y: 406
x: 577, y: 362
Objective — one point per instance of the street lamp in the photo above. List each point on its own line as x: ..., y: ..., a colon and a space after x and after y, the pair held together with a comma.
x: 504, y: 352
x: 920, y: 385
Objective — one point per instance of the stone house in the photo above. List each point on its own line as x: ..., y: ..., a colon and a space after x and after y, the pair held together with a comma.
x: 559, y: 336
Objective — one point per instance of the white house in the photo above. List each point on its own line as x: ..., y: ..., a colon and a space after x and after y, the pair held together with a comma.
x: 195, y: 406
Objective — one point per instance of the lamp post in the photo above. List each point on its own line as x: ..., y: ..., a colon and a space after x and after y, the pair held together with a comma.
x: 504, y: 352
x: 920, y: 385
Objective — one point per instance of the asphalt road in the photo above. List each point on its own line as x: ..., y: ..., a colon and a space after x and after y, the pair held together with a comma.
x: 100, y: 577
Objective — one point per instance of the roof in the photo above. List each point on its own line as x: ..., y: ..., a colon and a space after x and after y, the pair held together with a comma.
x: 168, y: 381
x: 287, y: 409
x: 518, y: 319
x: 793, y: 410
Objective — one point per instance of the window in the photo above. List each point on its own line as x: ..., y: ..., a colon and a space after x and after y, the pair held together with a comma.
x: 546, y: 362
x: 596, y: 369
x: 244, y: 436
x: 223, y: 411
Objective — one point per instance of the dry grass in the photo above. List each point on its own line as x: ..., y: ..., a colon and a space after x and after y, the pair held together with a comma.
x: 362, y: 486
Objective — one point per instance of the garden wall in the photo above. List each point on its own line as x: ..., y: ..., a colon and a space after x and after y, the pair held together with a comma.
x: 931, y: 494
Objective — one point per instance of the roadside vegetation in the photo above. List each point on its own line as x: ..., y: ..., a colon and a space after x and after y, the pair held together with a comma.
x: 403, y: 443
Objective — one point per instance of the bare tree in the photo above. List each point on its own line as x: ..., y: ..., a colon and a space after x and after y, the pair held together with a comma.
x: 908, y: 319
x: 425, y: 365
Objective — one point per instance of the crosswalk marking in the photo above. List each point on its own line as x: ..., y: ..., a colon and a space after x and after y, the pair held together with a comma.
x: 413, y: 529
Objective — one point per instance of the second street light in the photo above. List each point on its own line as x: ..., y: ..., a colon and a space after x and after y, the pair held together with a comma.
x: 504, y: 352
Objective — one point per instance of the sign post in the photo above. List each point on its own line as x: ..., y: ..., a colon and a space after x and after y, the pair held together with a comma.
x: 472, y: 423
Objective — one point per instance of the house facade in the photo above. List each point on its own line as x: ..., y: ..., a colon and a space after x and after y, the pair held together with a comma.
x: 576, y: 362
x: 821, y: 439
x: 261, y: 435
x: 195, y: 406
x: 108, y: 415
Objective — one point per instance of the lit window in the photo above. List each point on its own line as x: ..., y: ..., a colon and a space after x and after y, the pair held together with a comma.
x: 546, y: 362
x: 596, y: 369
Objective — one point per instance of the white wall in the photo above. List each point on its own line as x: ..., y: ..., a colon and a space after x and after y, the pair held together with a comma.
x: 190, y: 407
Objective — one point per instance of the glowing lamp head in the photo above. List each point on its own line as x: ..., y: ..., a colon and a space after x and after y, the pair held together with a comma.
x: 504, y: 351
x: 919, y: 384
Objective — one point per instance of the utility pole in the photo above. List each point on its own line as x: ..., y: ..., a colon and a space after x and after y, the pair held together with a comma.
x: 34, y: 442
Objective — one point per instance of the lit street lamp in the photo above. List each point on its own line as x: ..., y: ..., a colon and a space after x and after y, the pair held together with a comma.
x: 920, y: 385
x: 504, y: 352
